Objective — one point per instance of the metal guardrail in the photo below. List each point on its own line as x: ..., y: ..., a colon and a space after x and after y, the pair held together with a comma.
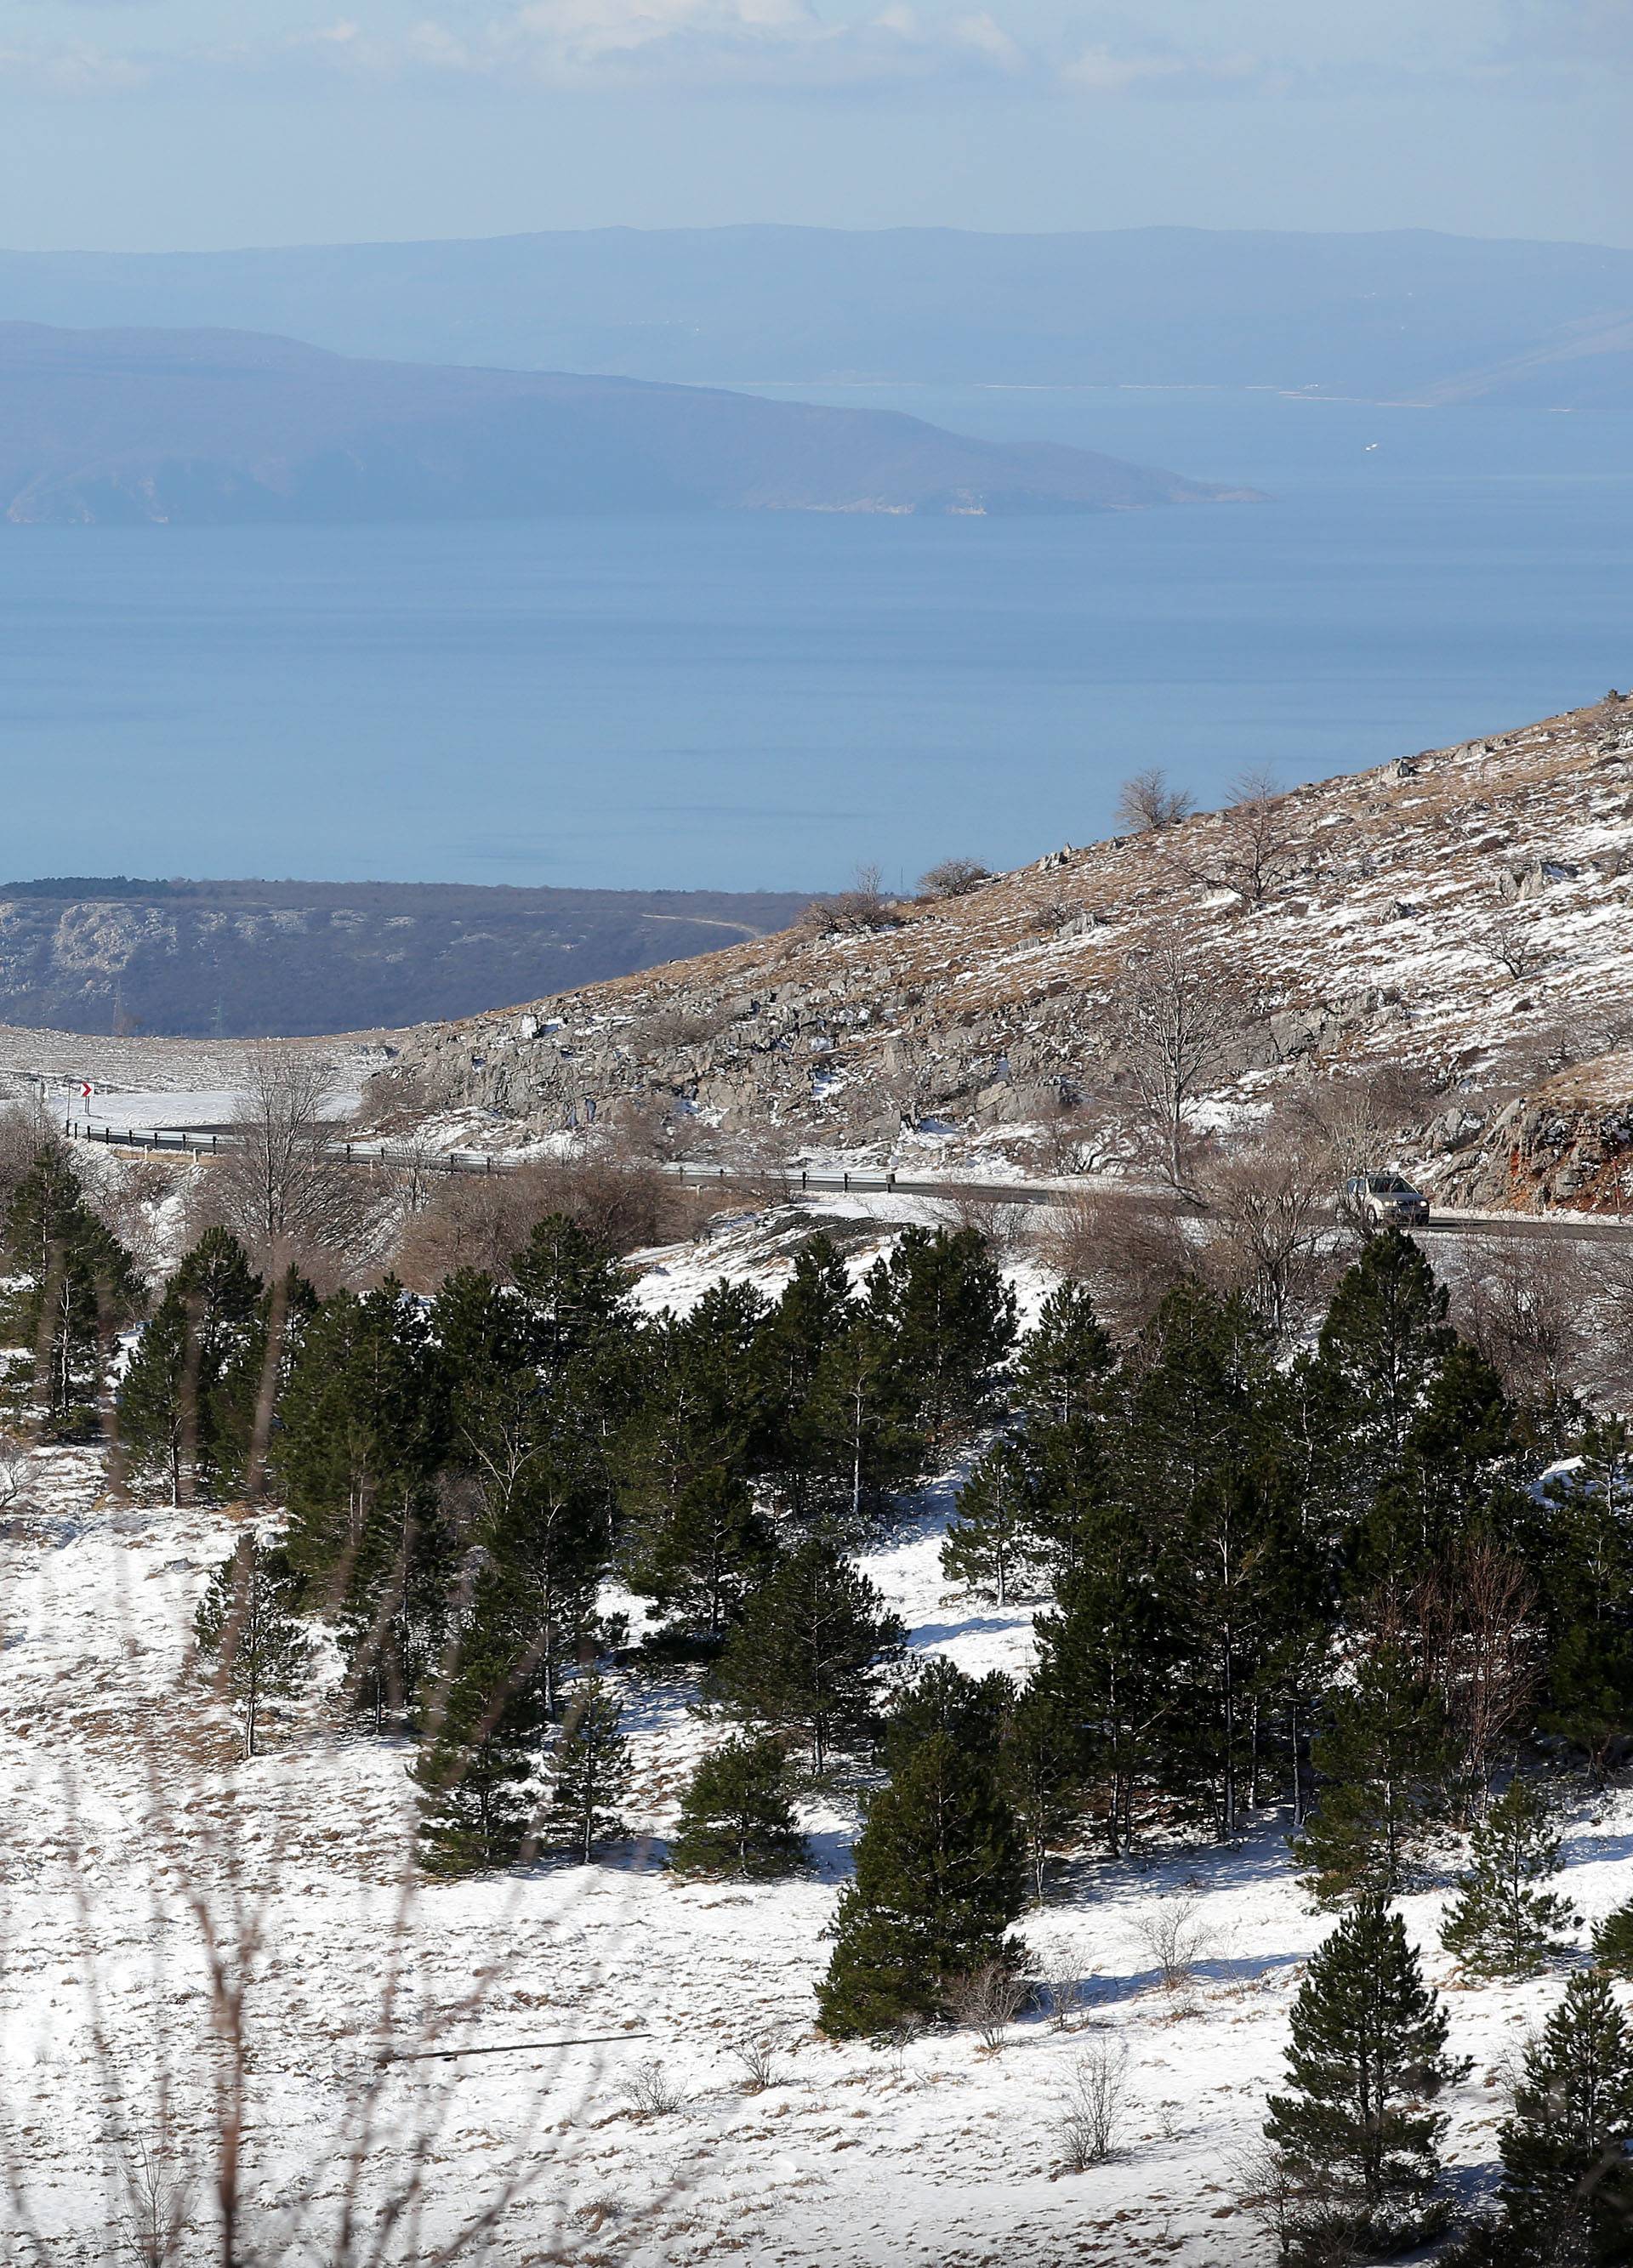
x: 794, y: 1181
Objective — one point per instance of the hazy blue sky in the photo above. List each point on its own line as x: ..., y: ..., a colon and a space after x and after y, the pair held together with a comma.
x: 146, y: 124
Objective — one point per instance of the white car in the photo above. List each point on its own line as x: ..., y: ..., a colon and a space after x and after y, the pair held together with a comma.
x: 1388, y: 1200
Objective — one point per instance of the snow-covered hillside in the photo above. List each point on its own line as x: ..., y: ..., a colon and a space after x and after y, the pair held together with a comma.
x: 1465, y: 914
x: 130, y: 1827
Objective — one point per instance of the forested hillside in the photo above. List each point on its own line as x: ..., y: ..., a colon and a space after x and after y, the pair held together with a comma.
x: 1200, y: 1686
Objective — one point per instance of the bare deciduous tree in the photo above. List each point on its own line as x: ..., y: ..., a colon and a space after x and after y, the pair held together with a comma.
x: 1515, y: 947
x: 1176, y: 1024
x: 1146, y: 804
x: 281, y: 1188
x: 1255, y: 845
x: 989, y: 2000
x: 953, y: 877
x: 1477, y: 1643
x: 1529, y: 1305
x: 1177, y: 1934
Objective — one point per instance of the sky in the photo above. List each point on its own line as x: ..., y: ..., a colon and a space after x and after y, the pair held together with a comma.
x: 152, y: 125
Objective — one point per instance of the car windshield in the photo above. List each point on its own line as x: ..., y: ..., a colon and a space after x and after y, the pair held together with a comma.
x: 1389, y: 1185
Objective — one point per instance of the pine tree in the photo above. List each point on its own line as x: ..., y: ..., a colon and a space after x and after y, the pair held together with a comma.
x: 1383, y: 1342
x: 179, y: 1414
x: 591, y: 1772
x: 993, y: 1547
x: 972, y: 1711
x: 802, y: 1659
x: 810, y: 1321
x: 940, y: 1876
x: 737, y: 1818
x: 1612, y: 1942
x: 74, y: 1289
x: 949, y: 1318
x: 1367, y: 2052
x: 248, y: 1635
x: 484, y: 1724
x: 571, y: 1292
x: 1108, y: 1657
x: 1065, y: 1367
x: 1383, y: 1754
x: 1040, y: 1771
x: 1501, y: 1923
x: 700, y: 1553
x: 858, y: 1434
x: 1567, y: 2189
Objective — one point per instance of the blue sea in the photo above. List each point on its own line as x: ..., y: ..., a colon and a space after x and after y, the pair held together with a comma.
x: 768, y: 701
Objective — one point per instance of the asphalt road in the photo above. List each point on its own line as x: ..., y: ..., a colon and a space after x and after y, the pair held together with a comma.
x: 793, y: 1181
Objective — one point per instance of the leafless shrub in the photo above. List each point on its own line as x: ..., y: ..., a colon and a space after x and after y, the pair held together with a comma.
x: 482, y: 1220
x: 1146, y: 804
x: 1130, y: 1250
x: 899, y: 2038
x: 1094, y: 2106
x: 1357, y: 1120
x: 1001, y: 1223
x: 1052, y: 916
x: 1256, y: 845
x: 1528, y: 1305
x: 1270, y: 1202
x: 174, y: 2011
x: 760, y: 2054
x: 1177, y: 1024
x: 1063, y: 2000
x: 988, y: 2000
x: 159, y: 2189
x: 127, y: 1199
x: 954, y: 877
x: 674, y: 1027
x: 864, y: 906
x: 1515, y: 948
x: 26, y: 1128
x: 652, y: 2091
x: 1177, y: 1933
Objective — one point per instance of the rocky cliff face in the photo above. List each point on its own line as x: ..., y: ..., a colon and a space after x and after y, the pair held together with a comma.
x: 1467, y: 913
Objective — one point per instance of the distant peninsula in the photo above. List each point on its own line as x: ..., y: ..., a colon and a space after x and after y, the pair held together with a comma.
x: 212, y: 427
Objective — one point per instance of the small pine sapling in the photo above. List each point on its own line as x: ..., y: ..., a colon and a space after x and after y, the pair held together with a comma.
x: 1354, y: 2134
x: 247, y: 1634
x: 1612, y: 1942
x: 592, y: 1773
x: 737, y: 1818
x: 1567, y: 2189
x: 1501, y: 1922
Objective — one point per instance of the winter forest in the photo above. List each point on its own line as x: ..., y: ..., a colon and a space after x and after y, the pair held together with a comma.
x: 1318, y: 1582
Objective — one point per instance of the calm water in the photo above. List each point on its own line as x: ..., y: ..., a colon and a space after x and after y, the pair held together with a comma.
x: 768, y: 701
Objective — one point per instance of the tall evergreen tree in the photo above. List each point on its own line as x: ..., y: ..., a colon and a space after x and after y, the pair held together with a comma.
x: 736, y: 1815
x: 1582, y: 1546
x: 180, y: 1415
x: 1040, y: 1770
x: 972, y: 1711
x: 1567, y: 2189
x: 1501, y: 1922
x: 940, y: 1876
x: 1384, y: 1339
x: 1382, y: 1755
x: 573, y: 1294
x: 858, y: 1434
x: 1352, y: 2132
x: 801, y: 1660
x: 1108, y: 1657
x: 810, y: 1321
x: 249, y: 1639
x: 74, y: 1288
x: 1065, y: 1365
x: 591, y: 1772
x: 950, y: 1318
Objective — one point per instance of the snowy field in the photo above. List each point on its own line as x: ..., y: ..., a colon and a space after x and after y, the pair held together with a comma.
x: 130, y: 1828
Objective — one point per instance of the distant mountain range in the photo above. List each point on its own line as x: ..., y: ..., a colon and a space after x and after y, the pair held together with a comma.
x: 1407, y: 315
x: 108, y: 954
x: 213, y: 426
